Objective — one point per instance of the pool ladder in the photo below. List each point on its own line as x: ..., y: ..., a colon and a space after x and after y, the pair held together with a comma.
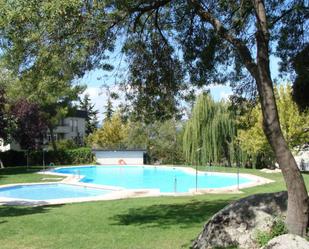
x: 175, y: 184
x: 77, y: 175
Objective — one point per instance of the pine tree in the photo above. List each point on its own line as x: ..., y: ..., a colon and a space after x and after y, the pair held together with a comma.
x: 91, y: 112
x: 108, y: 109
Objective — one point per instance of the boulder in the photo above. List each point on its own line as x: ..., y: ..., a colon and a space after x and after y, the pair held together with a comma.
x: 287, y: 241
x: 238, y: 223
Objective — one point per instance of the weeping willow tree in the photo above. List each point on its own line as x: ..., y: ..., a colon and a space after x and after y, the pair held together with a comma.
x: 209, y: 133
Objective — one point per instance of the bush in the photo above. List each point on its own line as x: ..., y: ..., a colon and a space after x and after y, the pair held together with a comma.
x: 66, y: 144
x: 13, y: 158
x: 61, y: 157
x: 79, y: 156
x: 277, y: 229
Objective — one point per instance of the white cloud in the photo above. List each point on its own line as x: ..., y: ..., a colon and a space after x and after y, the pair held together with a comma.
x: 225, y: 95
x: 99, y: 98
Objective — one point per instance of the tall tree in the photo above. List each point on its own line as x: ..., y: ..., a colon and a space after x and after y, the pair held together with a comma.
x: 7, y: 123
x: 109, y: 109
x: 4, y: 124
x: 209, y: 133
x: 30, y: 125
x: 108, y: 113
x: 155, y: 78
x: 301, y: 82
x: 217, y: 34
x: 294, y: 125
x: 3, y: 118
x: 6, y: 79
x: 162, y: 139
x: 47, y: 58
x: 54, y: 96
x: 111, y: 135
x: 91, y: 119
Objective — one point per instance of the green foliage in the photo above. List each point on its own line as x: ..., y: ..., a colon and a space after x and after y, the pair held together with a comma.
x: 278, y: 228
x: 45, y: 59
x: 163, y: 140
x: 81, y: 155
x: 209, y: 133
x: 137, y: 135
x: 66, y: 144
x: 60, y: 157
x: 77, y: 156
x: 108, y: 109
x: 13, y: 158
x: 301, y: 82
x: 293, y: 124
x: 111, y: 135
x: 156, y: 78
x: 252, y: 140
x: 91, y: 119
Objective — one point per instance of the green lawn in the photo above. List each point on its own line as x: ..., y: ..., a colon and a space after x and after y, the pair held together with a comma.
x: 141, y: 223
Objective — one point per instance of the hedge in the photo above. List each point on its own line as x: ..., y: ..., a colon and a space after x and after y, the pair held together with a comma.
x: 82, y: 155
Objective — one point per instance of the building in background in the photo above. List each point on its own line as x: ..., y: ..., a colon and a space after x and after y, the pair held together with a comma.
x: 71, y: 127
x: 120, y: 157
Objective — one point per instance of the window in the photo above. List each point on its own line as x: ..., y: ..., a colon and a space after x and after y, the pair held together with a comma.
x: 71, y: 124
x: 49, y: 137
x: 75, y: 125
x: 61, y: 122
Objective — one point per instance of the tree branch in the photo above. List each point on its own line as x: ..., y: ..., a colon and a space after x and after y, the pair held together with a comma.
x: 286, y: 12
x: 262, y: 19
x: 158, y: 27
x: 148, y: 7
x: 239, y: 45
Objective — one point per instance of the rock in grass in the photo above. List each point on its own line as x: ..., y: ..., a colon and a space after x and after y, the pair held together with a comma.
x: 287, y: 241
x: 238, y: 223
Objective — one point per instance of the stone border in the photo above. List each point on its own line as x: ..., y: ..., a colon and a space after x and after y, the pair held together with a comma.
x: 122, y: 193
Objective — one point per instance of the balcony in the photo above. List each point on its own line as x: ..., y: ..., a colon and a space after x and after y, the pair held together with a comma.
x: 63, y: 129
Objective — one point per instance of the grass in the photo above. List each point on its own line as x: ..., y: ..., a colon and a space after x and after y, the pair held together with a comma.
x: 141, y: 223
x: 23, y: 175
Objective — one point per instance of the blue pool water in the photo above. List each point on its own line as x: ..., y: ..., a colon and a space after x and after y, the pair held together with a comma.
x: 49, y: 191
x: 164, y: 178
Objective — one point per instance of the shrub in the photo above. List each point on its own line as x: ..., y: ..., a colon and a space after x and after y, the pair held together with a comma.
x: 13, y: 158
x: 80, y: 155
x: 278, y: 228
x: 60, y: 157
x: 66, y: 144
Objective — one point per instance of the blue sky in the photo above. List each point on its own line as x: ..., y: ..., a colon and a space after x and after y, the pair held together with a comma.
x: 96, y: 78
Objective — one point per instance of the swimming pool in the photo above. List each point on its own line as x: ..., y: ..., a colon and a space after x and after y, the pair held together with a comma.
x: 166, y: 179
x: 43, y: 192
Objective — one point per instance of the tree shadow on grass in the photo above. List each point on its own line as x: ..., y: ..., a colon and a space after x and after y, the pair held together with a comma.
x: 18, y: 170
x: 4, y: 173
x: 165, y: 215
x: 14, y: 211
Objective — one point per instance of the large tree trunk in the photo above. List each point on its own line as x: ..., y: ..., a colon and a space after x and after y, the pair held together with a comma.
x: 51, y: 131
x: 297, y: 213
